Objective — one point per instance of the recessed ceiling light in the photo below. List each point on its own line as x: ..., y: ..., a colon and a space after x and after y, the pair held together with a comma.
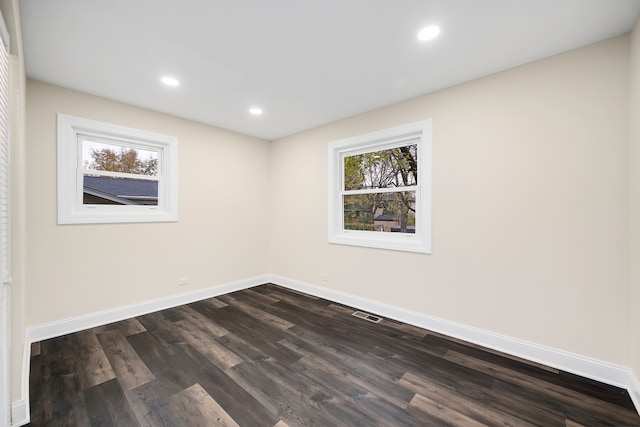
x: 170, y: 81
x: 429, y: 33
x: 255, y: 111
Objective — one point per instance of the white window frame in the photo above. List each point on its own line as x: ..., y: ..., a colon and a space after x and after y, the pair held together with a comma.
x: 71, y: 209
x: 413, y: 133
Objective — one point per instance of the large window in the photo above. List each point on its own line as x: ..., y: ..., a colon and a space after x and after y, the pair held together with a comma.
x: 380, y: 189
x: 109, y: 173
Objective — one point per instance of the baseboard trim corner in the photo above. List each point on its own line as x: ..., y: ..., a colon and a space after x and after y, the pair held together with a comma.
x: 19, y: 413
x: 35, y: 333
x: 576, y: 364
x: 634, y: 390
x: 78, y: 323
x: 587, y: 367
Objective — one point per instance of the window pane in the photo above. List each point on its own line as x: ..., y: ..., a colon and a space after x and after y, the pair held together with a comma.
x: 101, y: 190
x: 395, y: 167
x: 390, y: 212
x: 118, y: 158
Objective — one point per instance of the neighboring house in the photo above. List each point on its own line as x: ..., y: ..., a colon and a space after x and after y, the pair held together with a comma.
x: 100, y: 190
x: 385, y: 223
x: 390, y: 223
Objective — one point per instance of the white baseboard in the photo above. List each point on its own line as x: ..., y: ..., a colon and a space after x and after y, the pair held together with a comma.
x: 598, y: 370
x: 634, y: 391
x: 19, y: 413
x: 20, y: 409
x: 586, y: 367
x: 74, y: 324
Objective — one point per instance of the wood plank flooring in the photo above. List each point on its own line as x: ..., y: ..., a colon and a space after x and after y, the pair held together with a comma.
x: 268, y: 356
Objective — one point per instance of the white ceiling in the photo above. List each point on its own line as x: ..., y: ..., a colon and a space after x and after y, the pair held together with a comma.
x: 305, y: 62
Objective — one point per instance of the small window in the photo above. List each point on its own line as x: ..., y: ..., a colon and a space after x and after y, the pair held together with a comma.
x: 109, y: 173
x: 380, y: 188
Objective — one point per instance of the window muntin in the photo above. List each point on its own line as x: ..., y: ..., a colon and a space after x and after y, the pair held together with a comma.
x: 380, y: 188
x: 110, y: 174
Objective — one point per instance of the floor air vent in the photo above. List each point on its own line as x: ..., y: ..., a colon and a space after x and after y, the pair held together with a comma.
x: 367, y: 316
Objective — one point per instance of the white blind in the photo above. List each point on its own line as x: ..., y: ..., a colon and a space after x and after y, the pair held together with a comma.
x: 5, y: 242
x: 5, y: 260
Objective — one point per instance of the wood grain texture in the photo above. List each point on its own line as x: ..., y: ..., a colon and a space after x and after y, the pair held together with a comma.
x: 126, y: 363
x: 271, y: 357
x: 107, y: 405
x: 91, y: 361
x: 193, y: 405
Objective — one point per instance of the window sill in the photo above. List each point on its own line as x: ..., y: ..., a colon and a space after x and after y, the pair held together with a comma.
x: 392, y: 241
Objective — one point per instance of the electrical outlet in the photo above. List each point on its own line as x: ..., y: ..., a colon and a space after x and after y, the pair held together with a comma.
x: 183, y: 281
x: 324, y: 277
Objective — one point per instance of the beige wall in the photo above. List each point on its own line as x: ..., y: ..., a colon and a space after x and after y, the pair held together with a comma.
x: 634, y: 157
x: 80, y: 269
x: 530, y: 210
x: 530, y: 206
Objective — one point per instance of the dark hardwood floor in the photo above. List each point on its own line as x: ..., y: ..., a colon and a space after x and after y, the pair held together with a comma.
x: 268, y: 356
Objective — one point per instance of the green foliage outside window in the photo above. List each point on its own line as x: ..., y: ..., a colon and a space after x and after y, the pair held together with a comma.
x: 126, y: 160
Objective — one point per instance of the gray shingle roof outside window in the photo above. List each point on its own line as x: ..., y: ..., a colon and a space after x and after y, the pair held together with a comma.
x: 122, y: 187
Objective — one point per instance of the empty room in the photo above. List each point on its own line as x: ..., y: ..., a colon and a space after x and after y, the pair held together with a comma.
x: 320, y: 213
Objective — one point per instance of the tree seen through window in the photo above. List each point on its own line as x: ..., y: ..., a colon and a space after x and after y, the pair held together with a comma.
x: 381, y: 190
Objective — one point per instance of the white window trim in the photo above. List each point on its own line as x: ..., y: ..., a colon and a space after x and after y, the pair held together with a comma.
x: 71, y: 210
x: 418, y: 132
